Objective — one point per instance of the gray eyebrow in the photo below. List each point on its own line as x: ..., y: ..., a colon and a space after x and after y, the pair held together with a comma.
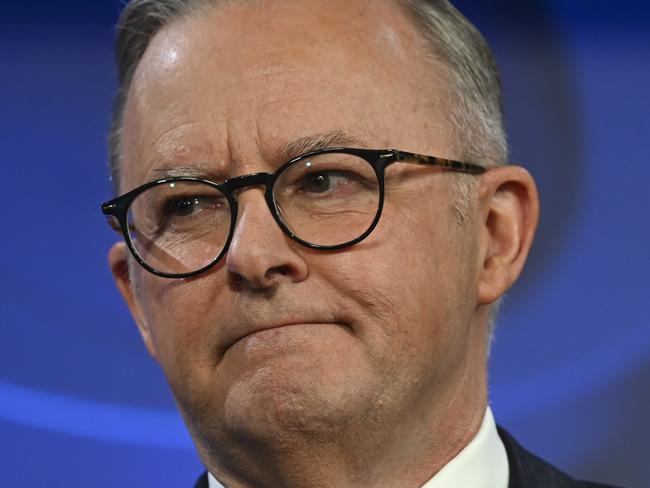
x: 319, y: 141
x: 192, y: 170
x: 287, y: 152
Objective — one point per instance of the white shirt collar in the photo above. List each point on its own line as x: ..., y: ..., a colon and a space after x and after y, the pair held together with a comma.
x: 483, y: 463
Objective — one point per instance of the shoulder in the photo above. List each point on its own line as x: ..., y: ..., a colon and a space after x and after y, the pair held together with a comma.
x: 529, y: 471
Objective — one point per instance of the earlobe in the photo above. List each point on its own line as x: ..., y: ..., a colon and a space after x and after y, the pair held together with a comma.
x: 118, y: 263
x: 510, y: 212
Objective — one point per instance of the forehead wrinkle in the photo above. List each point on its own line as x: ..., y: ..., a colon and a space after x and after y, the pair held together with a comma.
x: 167, y: 142
x: 176, y: 145
x: 287, y: 151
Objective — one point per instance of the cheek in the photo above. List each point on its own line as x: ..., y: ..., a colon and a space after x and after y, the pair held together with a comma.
x: 412, y: 273
x: 176, y: 313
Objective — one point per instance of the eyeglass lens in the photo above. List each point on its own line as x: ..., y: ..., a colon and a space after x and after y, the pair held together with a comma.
x: 179, y: 227
x: 326, y: 200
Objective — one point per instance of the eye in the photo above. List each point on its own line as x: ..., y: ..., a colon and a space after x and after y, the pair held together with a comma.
x: 178, y: 208
x: 192, y: 209
x: 326, y: 178
x: 326, y: 181
x: 186, y: 206
x: 183, y: 207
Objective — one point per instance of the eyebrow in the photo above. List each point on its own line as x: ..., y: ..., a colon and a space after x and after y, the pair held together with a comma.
x: 192, y: 170
x: 319, y: 141
x: 287, y: 152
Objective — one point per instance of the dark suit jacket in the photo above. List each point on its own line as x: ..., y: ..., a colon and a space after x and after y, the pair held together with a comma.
x: 529, y: 471
x: 526, y: 470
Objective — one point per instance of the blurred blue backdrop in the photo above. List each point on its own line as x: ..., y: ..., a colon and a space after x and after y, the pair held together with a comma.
x: 82, y: 404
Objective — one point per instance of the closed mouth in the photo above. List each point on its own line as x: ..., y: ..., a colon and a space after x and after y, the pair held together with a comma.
x: 286, y: 325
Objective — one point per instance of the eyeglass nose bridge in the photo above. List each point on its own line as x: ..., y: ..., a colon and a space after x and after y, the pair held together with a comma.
x: 232, y: 185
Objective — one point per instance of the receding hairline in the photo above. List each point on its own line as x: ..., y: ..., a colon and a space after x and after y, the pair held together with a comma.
x: 432, y: 72
x: 133, y: 43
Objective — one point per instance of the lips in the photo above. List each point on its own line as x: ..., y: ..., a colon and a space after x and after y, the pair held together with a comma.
x: 259, y: 328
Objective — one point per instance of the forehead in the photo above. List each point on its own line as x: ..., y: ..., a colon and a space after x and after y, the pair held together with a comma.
x: 237, y: 82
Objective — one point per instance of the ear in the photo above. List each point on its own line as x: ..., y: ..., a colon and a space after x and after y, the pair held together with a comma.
x: 118, y: 262
x: 509, y: 215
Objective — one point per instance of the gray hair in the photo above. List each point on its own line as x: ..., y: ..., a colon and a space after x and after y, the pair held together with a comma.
x: 476, y: 113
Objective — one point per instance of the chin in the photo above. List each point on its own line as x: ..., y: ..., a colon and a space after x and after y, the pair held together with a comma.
x: 286, y: 398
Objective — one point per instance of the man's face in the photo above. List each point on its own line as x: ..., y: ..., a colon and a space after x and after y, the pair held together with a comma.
x: 277, y: 337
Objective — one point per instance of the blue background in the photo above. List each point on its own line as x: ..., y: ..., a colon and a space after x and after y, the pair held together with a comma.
x: 79, y: 397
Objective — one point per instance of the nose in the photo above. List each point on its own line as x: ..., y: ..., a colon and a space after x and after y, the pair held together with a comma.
x: 260, y: 255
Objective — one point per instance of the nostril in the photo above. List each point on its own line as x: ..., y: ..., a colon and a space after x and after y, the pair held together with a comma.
x: 280, y: 270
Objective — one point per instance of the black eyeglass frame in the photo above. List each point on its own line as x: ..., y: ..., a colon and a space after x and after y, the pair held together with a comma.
x: 117, y: 209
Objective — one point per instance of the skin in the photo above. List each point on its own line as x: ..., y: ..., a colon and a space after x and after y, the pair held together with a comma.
x: 294, y: 367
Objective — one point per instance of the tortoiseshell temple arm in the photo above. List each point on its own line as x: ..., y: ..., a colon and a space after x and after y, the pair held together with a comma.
x: 449, y: 164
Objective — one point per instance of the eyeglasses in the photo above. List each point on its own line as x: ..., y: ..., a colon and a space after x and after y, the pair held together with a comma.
x: 327, y: 199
